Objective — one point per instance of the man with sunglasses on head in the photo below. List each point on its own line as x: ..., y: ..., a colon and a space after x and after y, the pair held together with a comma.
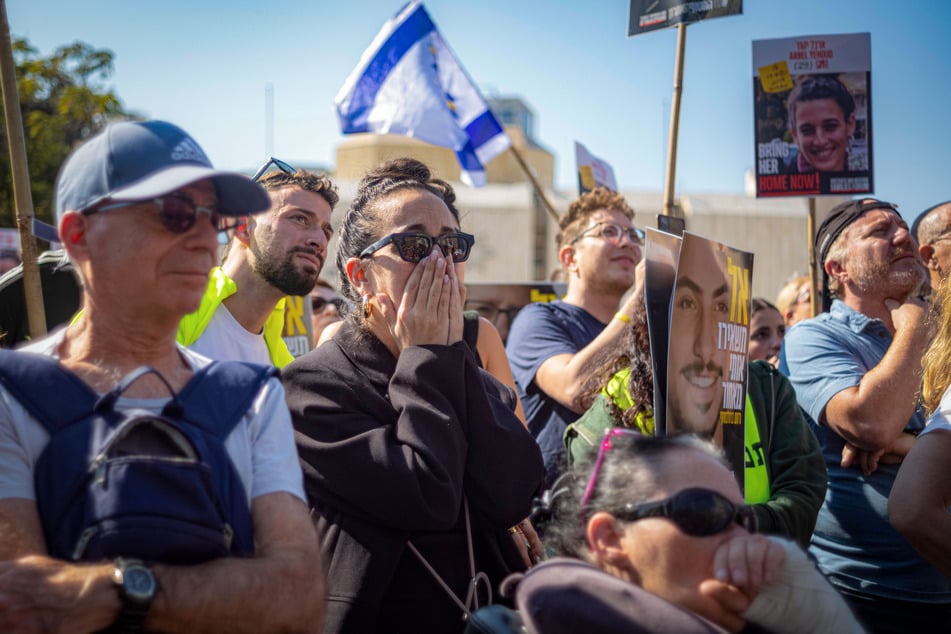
x: 139, y: 207
x: 857, y: 373
x: 271, y: 255
x: 552, y: 346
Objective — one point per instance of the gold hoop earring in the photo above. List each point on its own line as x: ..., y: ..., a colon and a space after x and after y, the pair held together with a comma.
x: 366, y: 307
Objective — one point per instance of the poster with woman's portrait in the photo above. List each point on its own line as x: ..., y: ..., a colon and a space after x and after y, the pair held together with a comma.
x: 813, y: 115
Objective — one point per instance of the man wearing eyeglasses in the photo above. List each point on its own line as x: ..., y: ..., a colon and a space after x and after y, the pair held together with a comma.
x: 272, y: 255
x: 552, y: 346
x: 139, y: 207
x: 932, y: 231
x: 857, y: 370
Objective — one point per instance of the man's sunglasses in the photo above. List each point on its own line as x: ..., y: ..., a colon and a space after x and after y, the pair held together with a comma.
x: 612, y: 232
x: 317, y: 304
x: 413, y: 246
x: 491, y: 311
x: 696, y: 512
x: 278, y: 163
x: 178, y: 213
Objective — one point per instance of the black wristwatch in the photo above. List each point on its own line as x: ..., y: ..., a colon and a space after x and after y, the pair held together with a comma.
x: 137, y: 587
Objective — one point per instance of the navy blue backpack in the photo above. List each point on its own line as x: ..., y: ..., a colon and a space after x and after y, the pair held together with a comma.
x: 130, y: 483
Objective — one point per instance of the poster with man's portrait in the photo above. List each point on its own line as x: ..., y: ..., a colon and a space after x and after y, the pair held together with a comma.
x: 813, y: 115
x: 707, y: 347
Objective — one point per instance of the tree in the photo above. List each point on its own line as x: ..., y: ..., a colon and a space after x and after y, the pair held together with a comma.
x: 63, y: 100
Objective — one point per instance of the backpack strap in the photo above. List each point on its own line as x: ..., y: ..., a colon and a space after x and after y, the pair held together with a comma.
x: 219, y: 394
x: 33, y: 378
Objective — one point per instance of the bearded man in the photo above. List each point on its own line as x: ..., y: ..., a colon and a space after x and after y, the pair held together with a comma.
x: 277, y: 253
x: 857, y: 370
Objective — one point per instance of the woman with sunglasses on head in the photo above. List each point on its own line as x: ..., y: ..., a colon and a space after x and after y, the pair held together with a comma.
x: 665, y: 515
x: 785, y: 475
x: 414, y: 461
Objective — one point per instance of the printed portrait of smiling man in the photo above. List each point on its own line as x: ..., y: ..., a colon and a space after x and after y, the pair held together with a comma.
x: 696, y: 367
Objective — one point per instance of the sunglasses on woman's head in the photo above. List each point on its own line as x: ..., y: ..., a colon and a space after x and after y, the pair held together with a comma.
x: 413, y: 246
x: 278, y: 163
x: 697, y: 512
x: 178, y: 213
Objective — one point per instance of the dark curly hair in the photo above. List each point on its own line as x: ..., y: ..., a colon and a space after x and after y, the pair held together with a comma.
x: 361, y: 227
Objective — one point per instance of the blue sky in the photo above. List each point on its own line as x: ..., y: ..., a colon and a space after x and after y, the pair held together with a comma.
x: 204, y: 64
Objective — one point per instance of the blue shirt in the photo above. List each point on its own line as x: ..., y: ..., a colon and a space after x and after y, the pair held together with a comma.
x: 539, y: 332
x: 854, y: 545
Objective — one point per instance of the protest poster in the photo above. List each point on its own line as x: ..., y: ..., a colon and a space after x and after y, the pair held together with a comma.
x: 813, y: 115
x: 500, y: 303
x: 708, y: 295
x: 592, y: 171
x: 298, y: 331
x: 661, y: 252
x: 650, y: 15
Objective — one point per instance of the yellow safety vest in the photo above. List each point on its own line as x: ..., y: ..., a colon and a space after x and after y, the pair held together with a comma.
x: 219, y: 288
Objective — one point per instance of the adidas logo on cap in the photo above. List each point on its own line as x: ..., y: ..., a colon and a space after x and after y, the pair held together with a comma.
x: 188, y: 150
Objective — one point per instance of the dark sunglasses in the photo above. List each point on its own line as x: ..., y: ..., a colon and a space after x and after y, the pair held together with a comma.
x: 178, y: 213
x: 613, y: 233
x: 317, y: 304
x: 413, y: 246
x: 278, y: 163
x: 696, y: 512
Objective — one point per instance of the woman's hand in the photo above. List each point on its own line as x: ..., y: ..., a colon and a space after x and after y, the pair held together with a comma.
x: 430, y: 310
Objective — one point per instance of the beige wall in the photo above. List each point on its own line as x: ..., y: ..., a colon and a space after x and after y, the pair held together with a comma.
x: 515, y: 236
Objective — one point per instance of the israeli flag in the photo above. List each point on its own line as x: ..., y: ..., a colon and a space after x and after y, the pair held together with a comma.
x: 409, y: 82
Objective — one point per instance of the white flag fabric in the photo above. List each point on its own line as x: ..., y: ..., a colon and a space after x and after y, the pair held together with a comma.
x: 592, y: 171
x: 409, y: 82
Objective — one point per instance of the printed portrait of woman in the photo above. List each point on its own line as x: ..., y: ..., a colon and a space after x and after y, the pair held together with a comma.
x: 821, y: 112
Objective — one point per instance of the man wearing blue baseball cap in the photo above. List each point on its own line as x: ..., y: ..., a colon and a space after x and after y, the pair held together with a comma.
x: 857, y: 370
x: 139, y: 208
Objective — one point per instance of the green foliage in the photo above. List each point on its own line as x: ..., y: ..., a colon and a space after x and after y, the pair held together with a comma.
x: 64, y: 99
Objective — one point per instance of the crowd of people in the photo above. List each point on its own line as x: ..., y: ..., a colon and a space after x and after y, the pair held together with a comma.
x: 410, y: 469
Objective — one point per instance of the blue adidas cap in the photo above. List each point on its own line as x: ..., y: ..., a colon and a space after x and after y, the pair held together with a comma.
x: 140, y: 160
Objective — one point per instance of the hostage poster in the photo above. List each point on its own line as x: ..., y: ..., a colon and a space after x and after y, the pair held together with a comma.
x: 813, y: 115
x: 707, y: 349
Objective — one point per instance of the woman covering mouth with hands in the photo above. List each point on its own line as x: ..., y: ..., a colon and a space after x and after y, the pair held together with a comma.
x: 406, y: 444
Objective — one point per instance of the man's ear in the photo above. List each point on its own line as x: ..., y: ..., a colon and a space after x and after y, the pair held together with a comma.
x: 604, y: 536
x: 566, y: 255
x: 835, y: 270
x: 72, y: 233
x: 926, y: 251
x: 242, y: 231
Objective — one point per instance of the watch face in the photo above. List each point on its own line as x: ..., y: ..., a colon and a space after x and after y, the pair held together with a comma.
x: 139, y: 583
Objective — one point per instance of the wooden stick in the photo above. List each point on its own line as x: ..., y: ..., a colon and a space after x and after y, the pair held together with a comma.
x: 535, y: 183
x: 670, y: 179
x: 33, y: 292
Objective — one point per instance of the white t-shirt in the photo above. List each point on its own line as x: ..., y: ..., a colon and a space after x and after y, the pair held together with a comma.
x: 224, y: 338
x: 941, y: 418
x: 261, y: 445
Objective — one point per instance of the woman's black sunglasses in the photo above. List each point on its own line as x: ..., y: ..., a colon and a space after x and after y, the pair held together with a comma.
x: 278, y: 163
x: 697, y: 512
x: 413, y: 246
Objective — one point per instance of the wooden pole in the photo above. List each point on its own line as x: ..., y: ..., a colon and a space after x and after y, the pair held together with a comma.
x: 670, y: 179
x: 36, y: 316
x: 535, y: 183
x: 814, y: 270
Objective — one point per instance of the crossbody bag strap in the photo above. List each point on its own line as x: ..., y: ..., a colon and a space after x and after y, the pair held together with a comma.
x: 472, y: 595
